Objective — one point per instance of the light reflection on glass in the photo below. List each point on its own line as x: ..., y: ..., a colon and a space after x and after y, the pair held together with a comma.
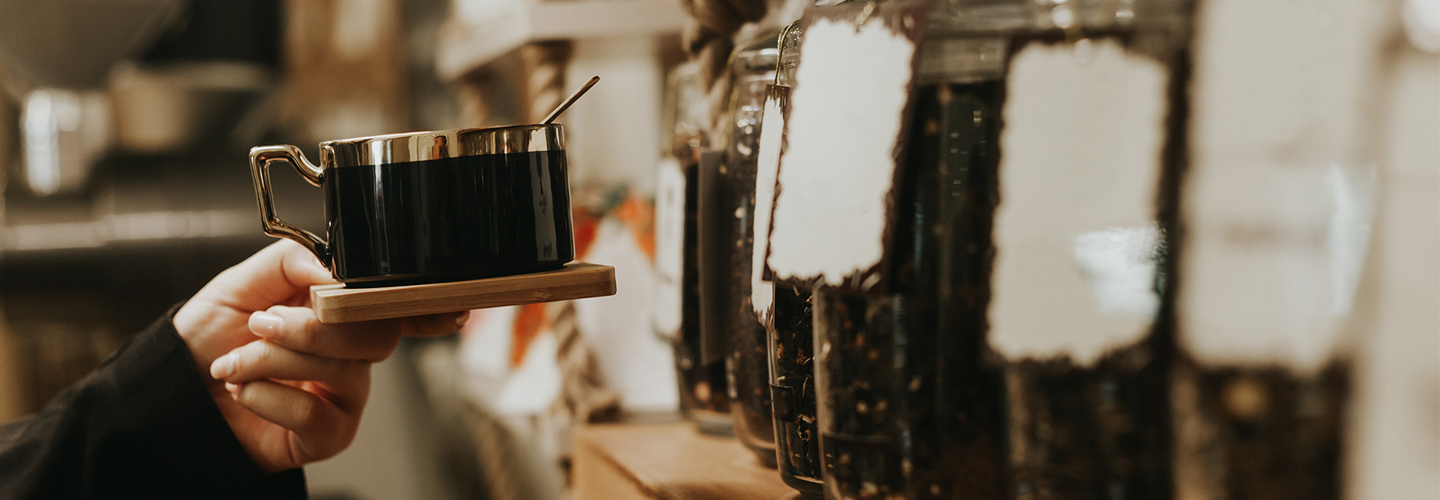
x: 1348, y: 236
x: 42, y: 144
x: 64, y: 132
x: 1119, y: 264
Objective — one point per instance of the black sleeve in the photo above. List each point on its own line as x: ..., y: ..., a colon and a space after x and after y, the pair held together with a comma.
x: 143, y: 425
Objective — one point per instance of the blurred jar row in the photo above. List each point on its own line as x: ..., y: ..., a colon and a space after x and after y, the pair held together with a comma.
x: 1019, y: 337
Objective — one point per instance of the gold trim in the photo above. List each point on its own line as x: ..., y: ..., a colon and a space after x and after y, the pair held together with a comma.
x: 435, y: 145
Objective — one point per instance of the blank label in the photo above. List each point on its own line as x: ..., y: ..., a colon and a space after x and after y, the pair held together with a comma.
x: 837, y: 170
x: 1075, y: 237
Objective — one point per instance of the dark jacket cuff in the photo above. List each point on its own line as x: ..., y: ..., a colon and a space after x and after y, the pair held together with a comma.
x: 143, y: 425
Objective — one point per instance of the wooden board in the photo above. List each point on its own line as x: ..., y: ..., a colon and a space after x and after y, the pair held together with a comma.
x: 578, y: 280
x: 669, y: 461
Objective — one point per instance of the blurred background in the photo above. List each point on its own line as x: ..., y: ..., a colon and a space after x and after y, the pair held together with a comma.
x: 125, y: 129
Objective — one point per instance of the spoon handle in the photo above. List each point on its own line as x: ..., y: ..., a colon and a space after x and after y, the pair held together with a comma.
x: 570, y: 100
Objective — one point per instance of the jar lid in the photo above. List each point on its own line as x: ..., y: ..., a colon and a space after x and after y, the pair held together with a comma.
x: 436, y: 145
x: 1007, y: 17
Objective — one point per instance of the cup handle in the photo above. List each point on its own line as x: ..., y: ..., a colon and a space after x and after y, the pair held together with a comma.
x: 260, y: 159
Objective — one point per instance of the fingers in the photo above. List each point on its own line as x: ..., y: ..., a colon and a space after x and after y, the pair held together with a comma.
x: 321, y: 428
x: 264, y: 360
x: 298, y: 329
x: 436, y: 325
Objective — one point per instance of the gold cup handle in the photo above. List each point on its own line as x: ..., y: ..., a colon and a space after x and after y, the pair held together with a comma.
x: 260, y: 159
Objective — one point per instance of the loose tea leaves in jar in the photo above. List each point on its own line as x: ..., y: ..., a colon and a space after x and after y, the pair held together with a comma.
x: 785, y: 308
x: 906, y: 408
x: 909, y: 405
x: 1089, y: 161
x: 792, y: 390
x: 677, y: 235
x: 711, y: 385
x: 747, y: 367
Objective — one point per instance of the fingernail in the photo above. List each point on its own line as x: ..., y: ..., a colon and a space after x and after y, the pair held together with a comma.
x: 224, y: 367
x: 462, y: 319
x: 232, y: 388
x: 265, y: 324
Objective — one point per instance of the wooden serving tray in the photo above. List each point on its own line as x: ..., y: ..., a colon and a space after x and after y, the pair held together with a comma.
x: 577, y: 280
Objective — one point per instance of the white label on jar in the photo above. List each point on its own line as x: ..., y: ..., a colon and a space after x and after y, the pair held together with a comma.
x: 669, y: 247
x: 1075, y: 237
x: 839, y: 164
x: 772, y: 130
x: 1278, y: 215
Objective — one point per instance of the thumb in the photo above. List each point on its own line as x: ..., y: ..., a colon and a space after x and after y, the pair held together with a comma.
x: 275, y: 274
x: 299, y: 266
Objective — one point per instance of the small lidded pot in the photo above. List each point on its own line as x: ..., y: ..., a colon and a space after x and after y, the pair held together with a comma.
x: 429, y: 207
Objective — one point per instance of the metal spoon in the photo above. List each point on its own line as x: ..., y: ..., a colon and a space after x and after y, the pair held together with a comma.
x: 570, y: 100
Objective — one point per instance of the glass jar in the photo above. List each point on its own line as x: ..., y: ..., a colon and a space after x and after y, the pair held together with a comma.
x: 790, y: 331
x: 908, y: 405
x: 752, y: 70
x: 1279, y: 206
x: 954, y: 158
x: 1088, y: 411
x: 917, y: 398
x: 701, y: 384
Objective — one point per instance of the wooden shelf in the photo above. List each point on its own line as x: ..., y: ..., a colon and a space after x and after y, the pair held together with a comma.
x: 669, y: 461
x: 467, y: 46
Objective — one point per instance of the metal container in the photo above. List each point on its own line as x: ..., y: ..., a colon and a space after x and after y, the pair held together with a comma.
x: 426, y: 207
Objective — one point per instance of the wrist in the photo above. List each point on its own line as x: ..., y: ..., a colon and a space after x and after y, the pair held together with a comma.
x: 191, y: 320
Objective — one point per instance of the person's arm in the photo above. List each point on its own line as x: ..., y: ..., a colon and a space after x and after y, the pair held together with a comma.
x: 143, y: 425
x: 225, y: 398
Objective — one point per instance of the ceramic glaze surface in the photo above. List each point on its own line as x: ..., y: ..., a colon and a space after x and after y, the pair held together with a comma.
x: 449, y: 219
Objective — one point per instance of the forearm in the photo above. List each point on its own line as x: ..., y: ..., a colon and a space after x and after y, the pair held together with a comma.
x: 141, y: 425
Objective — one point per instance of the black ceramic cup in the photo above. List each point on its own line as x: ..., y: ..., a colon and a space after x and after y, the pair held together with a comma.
x: 429, y: 207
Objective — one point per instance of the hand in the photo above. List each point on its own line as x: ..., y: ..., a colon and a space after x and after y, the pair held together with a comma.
x: 291, y: 388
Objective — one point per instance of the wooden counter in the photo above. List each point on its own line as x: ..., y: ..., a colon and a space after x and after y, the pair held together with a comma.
x: 669, y: 461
